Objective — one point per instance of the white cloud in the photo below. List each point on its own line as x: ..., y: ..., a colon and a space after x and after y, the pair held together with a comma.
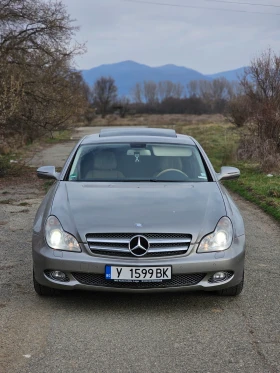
x: 205, y: 40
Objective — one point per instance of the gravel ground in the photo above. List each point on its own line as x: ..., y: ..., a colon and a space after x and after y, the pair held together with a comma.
x: 95, y: 332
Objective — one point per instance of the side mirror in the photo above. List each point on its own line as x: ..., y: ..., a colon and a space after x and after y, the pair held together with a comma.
x: 47, y: 172
x: 228, y: 173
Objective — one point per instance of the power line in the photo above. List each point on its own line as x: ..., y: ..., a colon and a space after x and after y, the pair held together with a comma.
x: 199, y: 7
x: 243, y: 3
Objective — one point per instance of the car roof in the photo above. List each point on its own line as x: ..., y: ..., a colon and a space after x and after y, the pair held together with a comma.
x: 130, y: 134
x: 130, y: 131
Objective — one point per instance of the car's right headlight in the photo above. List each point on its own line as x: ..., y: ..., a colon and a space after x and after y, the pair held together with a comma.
x: 220, y: 239
x: 57, y: 238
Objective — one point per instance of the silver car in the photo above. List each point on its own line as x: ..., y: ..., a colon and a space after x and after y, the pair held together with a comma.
x: 138, y: 210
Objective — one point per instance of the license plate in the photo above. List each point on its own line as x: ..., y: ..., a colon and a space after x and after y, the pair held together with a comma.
x: 130, y: 274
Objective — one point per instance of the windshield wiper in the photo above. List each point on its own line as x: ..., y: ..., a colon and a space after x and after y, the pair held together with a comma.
x: 131, y: 181
x: 167, y: 181
x: 153, y: 181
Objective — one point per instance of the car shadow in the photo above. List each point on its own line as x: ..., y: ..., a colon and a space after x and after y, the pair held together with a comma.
x: 154, y: 302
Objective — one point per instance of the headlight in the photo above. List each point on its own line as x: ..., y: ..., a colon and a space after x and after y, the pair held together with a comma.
x: 58, y: 239
x: 219, y: 240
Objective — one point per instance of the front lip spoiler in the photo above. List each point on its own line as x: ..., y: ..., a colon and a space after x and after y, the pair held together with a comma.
x: 204, y: 285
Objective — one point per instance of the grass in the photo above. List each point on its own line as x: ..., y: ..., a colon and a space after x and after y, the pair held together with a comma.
x: 58, y: 136
x: 6, y: 202
x: 5, y: 165
x: 157, y: 120
x: 24, y: 204
x: 220, y: 141
x: 258, y: 188
x: 47, y: 184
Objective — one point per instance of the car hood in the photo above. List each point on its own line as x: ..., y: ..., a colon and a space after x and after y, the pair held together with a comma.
x: 84, y: 208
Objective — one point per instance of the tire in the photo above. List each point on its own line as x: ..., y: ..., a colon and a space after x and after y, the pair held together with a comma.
x: 43, y: 290
x: 234, y: 290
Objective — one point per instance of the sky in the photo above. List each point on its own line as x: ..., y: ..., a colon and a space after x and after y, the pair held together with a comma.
x: 208, y: 40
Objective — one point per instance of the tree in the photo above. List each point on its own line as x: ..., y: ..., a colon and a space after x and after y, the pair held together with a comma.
x: 122, y: 105
x: 165, y: 89
x: 258, y: 107
x: 150, y: 92
x: 104, y: 94
x: 238, y: 110
x: 137, y: 93
x: 36, y: 70
x: 192, y: 88
x: 178, y: 90
x: 261, y: 85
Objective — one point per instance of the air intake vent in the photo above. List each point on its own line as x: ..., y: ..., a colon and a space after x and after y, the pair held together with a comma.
x: 177, y: 281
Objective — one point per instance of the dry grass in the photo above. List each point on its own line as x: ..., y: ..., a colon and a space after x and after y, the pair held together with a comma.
x: 156, y: 120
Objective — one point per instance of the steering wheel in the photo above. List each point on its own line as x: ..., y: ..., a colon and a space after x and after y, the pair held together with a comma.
x: 171, y: 170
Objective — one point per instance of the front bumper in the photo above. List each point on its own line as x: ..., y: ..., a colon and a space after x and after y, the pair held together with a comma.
x: 192, y: 265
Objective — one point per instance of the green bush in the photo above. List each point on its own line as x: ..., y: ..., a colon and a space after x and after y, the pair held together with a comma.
x: 5, y: 165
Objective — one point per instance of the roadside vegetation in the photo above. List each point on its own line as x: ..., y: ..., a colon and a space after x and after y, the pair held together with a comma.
x: 221, y: 142
x: 40, y: 90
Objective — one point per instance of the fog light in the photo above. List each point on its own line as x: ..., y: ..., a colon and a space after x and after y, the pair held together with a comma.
x: 58, y: 275
x: 219, y: 276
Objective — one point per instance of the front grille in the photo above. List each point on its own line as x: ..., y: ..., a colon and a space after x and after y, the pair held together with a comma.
x: 177, y: 281
x: 117, y: 244
x: 129, y: 255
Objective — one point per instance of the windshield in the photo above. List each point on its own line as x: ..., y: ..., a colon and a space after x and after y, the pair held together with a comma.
x: 135, y: 162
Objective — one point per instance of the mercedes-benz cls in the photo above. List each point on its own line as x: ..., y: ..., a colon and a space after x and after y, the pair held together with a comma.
x: 138, y: 210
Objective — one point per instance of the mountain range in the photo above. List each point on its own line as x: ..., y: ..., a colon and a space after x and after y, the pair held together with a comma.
x: 128, y: 73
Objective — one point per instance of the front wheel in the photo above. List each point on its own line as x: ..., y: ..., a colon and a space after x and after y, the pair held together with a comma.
x: 234, y: 290
x: 43, y: 290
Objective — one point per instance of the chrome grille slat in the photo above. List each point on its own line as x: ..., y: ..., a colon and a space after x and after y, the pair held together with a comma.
x: 176, y: 240
x: 155, y: 250
x: 128, y: 236
x: 105, y: 248
x: 161, y: 244
x: 107, y: 240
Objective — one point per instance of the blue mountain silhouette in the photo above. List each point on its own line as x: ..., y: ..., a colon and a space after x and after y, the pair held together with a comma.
x: 128, y: 73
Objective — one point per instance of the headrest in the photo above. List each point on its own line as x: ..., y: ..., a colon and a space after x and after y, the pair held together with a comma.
x: 170, y: 162
x: 105, y: 161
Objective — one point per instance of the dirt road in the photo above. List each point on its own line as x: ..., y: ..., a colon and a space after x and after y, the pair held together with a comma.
x: 57, y: 155
x: 92, y: 332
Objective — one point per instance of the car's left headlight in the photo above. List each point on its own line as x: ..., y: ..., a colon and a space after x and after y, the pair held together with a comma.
x: 57, y: 238
x: 220, y: 239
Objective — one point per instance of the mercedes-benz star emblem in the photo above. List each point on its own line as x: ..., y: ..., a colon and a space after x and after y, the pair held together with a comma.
x: 139, y: 245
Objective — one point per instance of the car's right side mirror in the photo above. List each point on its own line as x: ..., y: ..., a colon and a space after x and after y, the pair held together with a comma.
x: 228, y: 173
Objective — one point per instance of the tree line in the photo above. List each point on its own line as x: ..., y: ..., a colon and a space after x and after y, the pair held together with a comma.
x: 166, y: 97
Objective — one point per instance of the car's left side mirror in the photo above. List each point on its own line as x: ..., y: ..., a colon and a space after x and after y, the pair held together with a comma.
x: 228, y: 173
x: 48, y: 172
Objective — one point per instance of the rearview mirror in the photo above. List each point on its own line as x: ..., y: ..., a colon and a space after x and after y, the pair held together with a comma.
x: 47, y: 172
x: 228, y: 173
